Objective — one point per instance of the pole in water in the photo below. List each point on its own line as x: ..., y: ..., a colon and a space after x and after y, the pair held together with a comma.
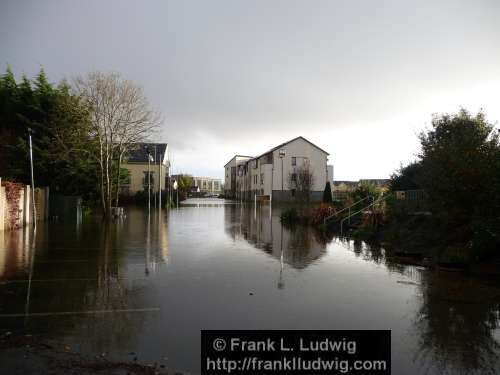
x: 159, y: 183
x: 154, y: 193
x: 33, y: 207
x: 149, y: 183
x: 150, y: 157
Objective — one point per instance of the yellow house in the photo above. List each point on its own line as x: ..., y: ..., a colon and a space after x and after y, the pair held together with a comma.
x: 136, y: 163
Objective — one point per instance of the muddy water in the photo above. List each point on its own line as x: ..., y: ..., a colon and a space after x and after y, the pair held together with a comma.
x: 148, y: 285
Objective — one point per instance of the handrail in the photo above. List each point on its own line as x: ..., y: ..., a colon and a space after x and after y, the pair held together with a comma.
x: 345, y: 208
x: 357, y: 212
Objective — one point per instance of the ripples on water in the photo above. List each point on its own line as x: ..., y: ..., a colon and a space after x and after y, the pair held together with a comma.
x: 150, y: 284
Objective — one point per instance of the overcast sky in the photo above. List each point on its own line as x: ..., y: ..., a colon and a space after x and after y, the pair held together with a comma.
x: 358, y: 78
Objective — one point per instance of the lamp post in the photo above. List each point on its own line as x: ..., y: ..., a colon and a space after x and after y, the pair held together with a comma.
x: 154, y: 193
x: 282, y: 154
x: 159, y: 182
x: 149, y: 179
x: 175, y: 188
x: 33, y: 207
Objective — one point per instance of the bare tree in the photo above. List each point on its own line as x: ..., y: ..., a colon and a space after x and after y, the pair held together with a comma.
x: 120, y: 116
x: 302, y: 181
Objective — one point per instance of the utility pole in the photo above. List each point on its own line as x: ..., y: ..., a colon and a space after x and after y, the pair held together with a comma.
x: 33, y: 207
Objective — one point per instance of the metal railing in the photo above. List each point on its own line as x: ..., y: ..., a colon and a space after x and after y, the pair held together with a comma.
x: 346, y: 208
x: 374, y: 202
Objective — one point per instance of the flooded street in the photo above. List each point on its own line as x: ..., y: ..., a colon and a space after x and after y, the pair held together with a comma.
x: 148, y: 286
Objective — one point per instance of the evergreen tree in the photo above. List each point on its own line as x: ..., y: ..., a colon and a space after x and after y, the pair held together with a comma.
x: 58, y: 119
x: 327, y: 193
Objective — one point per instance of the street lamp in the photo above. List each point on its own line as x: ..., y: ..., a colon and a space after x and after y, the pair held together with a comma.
x: 282, y: 154
x: 175, y: 188
x: 159, y: 181
x: 154, y: 162
x: 149, y: 179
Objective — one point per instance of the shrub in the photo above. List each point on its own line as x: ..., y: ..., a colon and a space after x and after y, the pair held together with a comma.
x: 320, y: 213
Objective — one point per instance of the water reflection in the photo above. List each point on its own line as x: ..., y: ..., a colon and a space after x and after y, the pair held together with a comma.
x: 456, y: 325
x: 203, y: 258
x: 50, y: 274
x: 297, y: 246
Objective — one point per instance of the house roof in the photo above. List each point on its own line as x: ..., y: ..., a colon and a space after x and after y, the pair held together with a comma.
x: 290, y: 141
x: 139, y: 154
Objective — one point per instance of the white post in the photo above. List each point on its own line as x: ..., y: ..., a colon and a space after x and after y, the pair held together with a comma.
x: 154, y: 193
x: 32, y: 182
x: 159, y: 183
x: 149, y: 182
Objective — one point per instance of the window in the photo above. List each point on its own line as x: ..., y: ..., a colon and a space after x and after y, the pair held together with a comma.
x: 294, y: 177
x: 262, y: 178
x: 294, y: 160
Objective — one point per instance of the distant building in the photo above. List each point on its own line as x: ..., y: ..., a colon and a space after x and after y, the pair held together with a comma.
x: 208, y: 185
x: 136, y: 163
x: 344, y: 186
x: 379, y: 182
x: 231, y: 174
x: 272, y: 174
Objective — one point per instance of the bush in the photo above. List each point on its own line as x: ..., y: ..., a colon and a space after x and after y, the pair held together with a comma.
x: 320, y: 213
x: 364, y: 190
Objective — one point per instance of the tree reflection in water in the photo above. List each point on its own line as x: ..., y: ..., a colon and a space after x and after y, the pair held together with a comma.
x: 458, y: 314
x: 456, y: 324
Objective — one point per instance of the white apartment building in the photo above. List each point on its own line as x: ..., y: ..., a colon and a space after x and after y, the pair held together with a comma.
x: 272, y: 174
x: 208, y: 185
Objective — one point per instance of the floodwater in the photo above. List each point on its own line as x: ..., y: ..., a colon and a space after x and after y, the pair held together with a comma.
x: 148, y: 286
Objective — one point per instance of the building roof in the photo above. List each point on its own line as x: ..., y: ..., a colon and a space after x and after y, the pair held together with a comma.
x: 238, y: 156
x: 139, y: 154
x: 290, y: 141
x: 275, y: 148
